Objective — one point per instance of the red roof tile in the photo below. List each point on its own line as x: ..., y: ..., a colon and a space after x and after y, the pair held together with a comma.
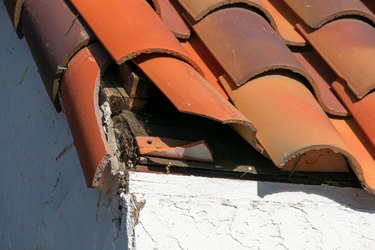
x: 190, y: 93
x: 316, y: 13
x: 345, y: 55
x: 324, y: 77
x: 172, y: 18
x: 270, y: 103
x: 362, y: 110
x: 79, y: 94
x: 52, y: 48
x: 198, y: 9
x: 235, y: 49
x: 174, y: 149
x: 135, y: 29
x: 284, y: 21
x: 252, y: 48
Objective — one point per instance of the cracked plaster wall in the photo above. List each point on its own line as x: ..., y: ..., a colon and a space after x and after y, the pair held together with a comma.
x: 186, y: 212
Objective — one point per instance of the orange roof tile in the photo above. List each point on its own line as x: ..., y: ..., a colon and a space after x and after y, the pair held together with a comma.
x: 316, y: 13
x: 345, y: 55
x: 79, y: 94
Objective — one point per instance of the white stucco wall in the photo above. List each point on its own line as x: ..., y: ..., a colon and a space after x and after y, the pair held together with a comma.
x: 44, y: 203
x: 187, y: 212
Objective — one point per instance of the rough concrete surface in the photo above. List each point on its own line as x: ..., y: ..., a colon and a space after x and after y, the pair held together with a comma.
x: 186, y: 212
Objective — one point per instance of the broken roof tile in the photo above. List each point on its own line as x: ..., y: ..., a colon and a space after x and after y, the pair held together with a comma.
x: 135, y: 29
x: 345, y: 56
x: 190, y: 93
x: 174, y: 149
x: 318, y: 160
x: 79, y: 93
x: 53, y: 39
x: 316, y: 13
x: 248, y: 50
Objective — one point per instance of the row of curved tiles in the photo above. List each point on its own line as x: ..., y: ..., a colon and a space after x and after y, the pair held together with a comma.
x: 226, y: 60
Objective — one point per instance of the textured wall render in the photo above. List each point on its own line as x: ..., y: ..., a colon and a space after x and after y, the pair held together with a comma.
x: 186, y: 212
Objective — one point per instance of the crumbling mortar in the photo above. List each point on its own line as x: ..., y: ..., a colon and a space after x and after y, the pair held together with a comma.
x: 123, y: 158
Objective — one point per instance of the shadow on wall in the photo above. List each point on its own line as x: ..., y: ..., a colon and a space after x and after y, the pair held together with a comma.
x: 349, y: 198
x: 44, y: 202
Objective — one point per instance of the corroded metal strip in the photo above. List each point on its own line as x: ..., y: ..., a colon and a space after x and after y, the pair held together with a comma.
x: 348, y: 46
x: 316, y: 13
x: 53, y: 39
x: 191, y: 93
x: 80, y: 98
x: 128, y: 28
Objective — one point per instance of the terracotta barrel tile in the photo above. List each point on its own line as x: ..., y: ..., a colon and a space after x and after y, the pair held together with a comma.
x: 171, y: 17
x: 198, y: 9
x: 348, y: 46
x: 134, y: 29
x: 14, y: 8
x: 322, y: 160
x: 365, y: 167
x: 174, y: 149
x: 290, y: 123
x: 79, y: 93
x: 324, y: 77
x: 53, y: 39
x: 285, y: 21
x: 245, y: 45
x: 190, y: 93
x: 363, y: 111
x: 196, y: 50
x: 315, y: 13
